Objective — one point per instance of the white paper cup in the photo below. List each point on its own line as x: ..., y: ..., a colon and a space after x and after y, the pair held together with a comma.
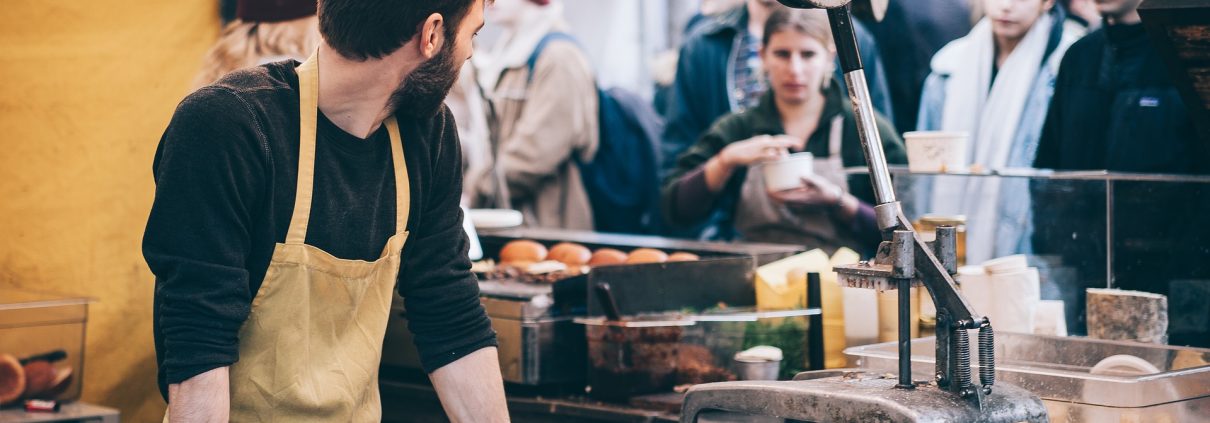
x: 860, y: 316
x: 787, y: 173
x: 977, y: 288
x: 1014, y: 300
x: 1006, y: 264
x: 936, y: 151
x: 1050, y: 318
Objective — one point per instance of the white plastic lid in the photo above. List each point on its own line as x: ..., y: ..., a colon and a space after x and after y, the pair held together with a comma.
x: 760, y: 353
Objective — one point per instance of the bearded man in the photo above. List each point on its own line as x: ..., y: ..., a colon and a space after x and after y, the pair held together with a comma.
x: 292, y: 200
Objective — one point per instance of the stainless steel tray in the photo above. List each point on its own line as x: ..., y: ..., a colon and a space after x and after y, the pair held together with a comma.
x: 532, y: 350
x: 1173, y: 383
x: 737, y: 315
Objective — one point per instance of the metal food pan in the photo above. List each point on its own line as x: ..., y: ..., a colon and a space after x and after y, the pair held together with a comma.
x: 1172, y: 383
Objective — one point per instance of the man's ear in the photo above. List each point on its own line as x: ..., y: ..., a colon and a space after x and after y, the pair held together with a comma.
x: 432, y: 35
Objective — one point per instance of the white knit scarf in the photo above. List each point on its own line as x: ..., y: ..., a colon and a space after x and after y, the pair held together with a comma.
x: 990, y: 116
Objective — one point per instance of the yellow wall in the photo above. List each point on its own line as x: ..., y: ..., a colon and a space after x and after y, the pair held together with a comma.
x: 86, y: 88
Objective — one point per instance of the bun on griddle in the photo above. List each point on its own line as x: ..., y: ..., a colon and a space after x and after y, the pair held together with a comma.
x: 646, y: 255
x: 522, y: 251
x: 607, y: 257
x: 570, y: 254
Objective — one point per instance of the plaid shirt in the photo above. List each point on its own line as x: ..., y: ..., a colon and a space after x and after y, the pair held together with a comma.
x: 749, y: 78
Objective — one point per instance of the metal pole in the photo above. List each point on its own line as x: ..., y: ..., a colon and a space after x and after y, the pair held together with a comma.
x: 905, y: 334
x: 903, y: 270
x: 1110, y: 280
x: 815, y: 350
x: 863, y: 109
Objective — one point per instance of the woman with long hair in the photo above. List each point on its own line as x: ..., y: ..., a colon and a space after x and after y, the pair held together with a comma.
x: 803, y: 111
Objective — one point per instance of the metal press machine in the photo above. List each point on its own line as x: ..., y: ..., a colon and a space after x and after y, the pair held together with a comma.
x: 904, y: 260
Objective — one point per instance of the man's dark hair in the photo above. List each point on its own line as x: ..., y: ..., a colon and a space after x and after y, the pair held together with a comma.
x: 365, y: 29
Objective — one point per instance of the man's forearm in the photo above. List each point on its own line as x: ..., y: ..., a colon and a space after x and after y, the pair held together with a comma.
x: 471, y: 389
x: 203, y: 398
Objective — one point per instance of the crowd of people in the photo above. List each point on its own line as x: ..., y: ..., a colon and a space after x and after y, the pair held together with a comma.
x: 1055, y: 84
x: 276, y: 187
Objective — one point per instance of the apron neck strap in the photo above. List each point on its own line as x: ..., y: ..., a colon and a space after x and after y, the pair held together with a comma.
x: 308, y: 112
x: 836, y: 136
x: 403, y: 187
x: 308, y: 108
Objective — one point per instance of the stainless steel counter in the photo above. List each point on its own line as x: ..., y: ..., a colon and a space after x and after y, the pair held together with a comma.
x: 1082, y: 379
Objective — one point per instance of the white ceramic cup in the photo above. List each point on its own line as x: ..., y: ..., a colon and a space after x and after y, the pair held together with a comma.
x: 936, y: 151
x: 788, y: 172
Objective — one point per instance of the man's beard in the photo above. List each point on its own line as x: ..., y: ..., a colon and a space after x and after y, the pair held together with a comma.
x: 423, y: 91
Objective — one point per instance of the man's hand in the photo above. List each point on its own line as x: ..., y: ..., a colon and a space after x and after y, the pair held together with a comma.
x: 471, y: 389
x: 204, y: 398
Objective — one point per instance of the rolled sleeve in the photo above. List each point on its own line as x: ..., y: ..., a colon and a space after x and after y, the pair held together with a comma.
x: 208, y: 172
x: 440, y: 293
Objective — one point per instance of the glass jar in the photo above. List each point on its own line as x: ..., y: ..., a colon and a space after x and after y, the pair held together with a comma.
x: 927, y: 226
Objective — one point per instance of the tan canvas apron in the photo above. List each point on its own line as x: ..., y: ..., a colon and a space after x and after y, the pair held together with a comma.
x: 310, y: 349
x: 761, y: 219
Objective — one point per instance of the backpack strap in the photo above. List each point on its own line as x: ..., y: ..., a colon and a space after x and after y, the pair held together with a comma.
x: 546, y: 39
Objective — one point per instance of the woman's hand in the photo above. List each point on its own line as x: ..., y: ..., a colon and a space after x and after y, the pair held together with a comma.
x: 817, y: 192
x: 761, y: 148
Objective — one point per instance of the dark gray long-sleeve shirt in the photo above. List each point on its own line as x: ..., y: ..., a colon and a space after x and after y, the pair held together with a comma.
x: 226, y: 172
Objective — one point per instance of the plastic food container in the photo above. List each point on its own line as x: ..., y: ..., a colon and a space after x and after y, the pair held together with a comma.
x: 46, y: 333
x: 936, y: 151
x: 1083, y: 379
x: 758, y: 369
x: 654, y: 353
x: 632, y: 357
x: 786, y: 330
x: 787, y: 173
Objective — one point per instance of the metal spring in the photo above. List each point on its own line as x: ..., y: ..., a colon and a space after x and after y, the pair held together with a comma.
x: 987, y: 356
x: 962, y: 346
